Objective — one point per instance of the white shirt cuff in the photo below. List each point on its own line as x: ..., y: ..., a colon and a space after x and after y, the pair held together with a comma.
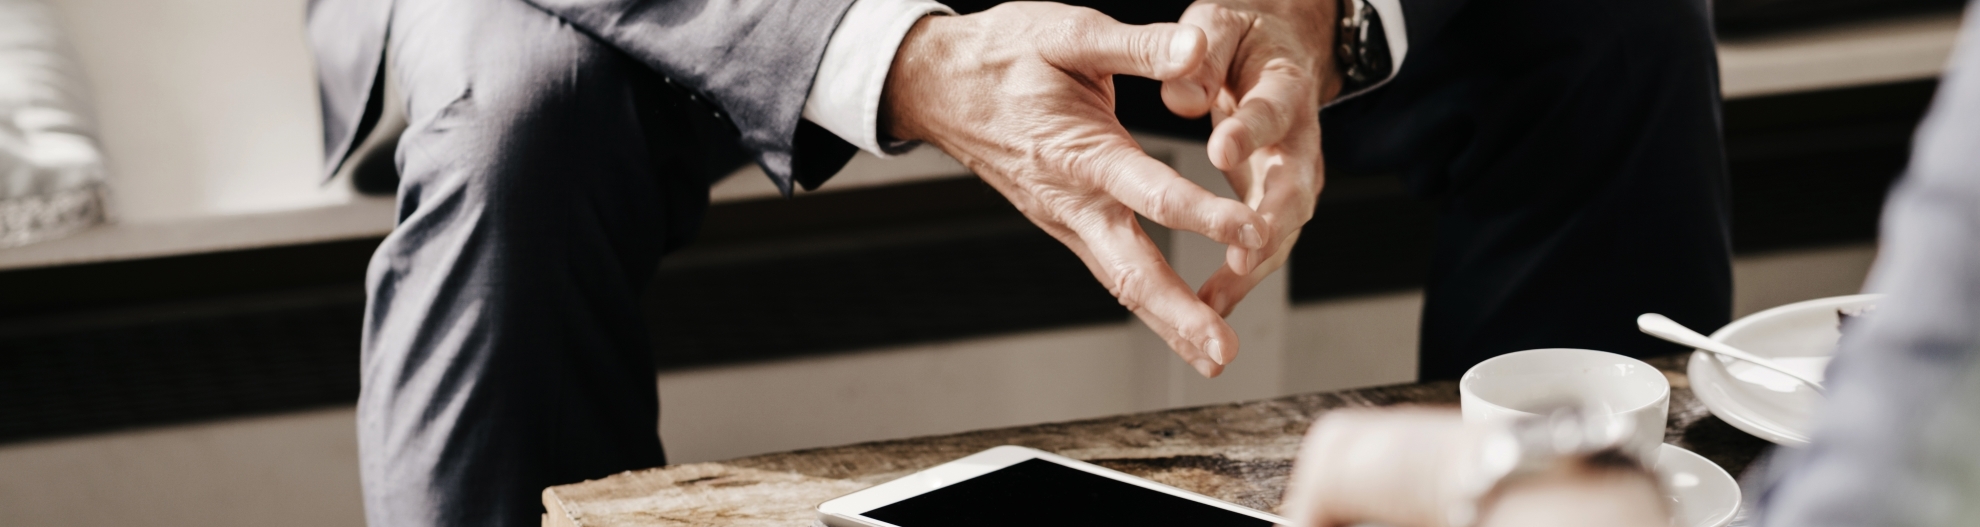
x: 1397, y: 32
x: 845, y: 96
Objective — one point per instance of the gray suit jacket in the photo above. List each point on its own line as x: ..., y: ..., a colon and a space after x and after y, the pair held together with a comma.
x: 749, y: 62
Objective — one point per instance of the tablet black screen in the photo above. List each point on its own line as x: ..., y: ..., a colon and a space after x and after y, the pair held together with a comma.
x: 1042, y: 493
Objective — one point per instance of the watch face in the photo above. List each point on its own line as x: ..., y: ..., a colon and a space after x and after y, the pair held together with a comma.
x: 1560, y: 432
x: 1362, y: 54
x: 1569, y: 430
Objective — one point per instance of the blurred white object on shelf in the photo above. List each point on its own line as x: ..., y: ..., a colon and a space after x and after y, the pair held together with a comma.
x: 51, y: 171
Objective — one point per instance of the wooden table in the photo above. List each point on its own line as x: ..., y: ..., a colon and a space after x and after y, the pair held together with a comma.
x: 1237, y: 452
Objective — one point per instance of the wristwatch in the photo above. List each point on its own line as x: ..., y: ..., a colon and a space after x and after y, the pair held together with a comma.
x: 1532, y: 445
x: 1362, y: 48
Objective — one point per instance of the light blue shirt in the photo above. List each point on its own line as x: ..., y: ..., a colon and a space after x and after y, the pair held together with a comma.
x: 1899, y: 443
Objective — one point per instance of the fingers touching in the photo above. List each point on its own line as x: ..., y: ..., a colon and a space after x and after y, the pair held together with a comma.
x: 1133, y: 269
x: 1226, y: 288
x: 1023, y: 95
x: 1094, y: 43
x: 1268, y: 112
x: 1285, y: 193
x: 1099, y: 45
x: 1192, y: 95
x: 1261, y: 84
x: 1157, y: 192
x: 1123, y: 257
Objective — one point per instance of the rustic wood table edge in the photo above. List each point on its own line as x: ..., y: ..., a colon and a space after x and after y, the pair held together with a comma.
x: 1239, y: 452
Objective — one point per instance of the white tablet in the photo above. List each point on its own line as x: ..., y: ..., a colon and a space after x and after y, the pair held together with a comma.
x: 1011, y: 485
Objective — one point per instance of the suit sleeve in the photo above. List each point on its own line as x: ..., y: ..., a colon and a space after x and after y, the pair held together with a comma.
x: 751, y: 62
x: 1422, y: 20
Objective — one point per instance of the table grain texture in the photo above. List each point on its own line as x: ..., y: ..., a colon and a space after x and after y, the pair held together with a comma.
x: 1240, y: 452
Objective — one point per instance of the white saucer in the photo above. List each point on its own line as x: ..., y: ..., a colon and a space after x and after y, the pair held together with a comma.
x: 1702, y: 494
x: 1763, y: 402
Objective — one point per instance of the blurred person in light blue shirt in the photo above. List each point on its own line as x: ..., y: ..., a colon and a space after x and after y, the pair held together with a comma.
x: 1898, y: 443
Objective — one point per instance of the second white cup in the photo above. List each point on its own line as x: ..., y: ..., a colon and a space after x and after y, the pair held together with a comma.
x: 1516, y: 384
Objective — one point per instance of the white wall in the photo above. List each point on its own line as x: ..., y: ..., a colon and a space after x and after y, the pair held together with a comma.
x: 297, y: 470
x: 206, y: 106
x: 1766, y: 280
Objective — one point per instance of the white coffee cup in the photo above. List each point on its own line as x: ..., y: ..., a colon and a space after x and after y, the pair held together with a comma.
x: 1516, y: 384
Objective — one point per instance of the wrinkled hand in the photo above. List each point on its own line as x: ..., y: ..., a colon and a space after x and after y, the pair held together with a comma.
x: 1023, y: 95
x: 1409, y: 467
x: 1269, y: 68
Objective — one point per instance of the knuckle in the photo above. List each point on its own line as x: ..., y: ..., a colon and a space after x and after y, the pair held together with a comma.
x: 1080, y: 21
x: 1265, y: 121
x: 1297, y: 79
x: 1031, y: 207
x: 1264, y: 111
x: 1050, y: 200
x: 1074, y: 163
x: 1242, y: 130
x: 1085, y: 159
x: 1236, y: 16
x: 1090, y: 213
x: 1127, y: 284
x: 1161, y: 202
x: 1288, y: 70
x: 1212, y: 15
x: 1188, y: 334
x: 1222, y: 221
x: 1076, y: 212
x: 1066, y: 35
x: 1145, y: 45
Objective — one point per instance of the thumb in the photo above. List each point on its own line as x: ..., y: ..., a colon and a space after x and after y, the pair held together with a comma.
x: 1155, y: 51
x: 1191, y: 95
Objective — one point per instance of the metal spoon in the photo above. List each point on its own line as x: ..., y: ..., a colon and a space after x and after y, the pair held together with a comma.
x: 1664, y: 328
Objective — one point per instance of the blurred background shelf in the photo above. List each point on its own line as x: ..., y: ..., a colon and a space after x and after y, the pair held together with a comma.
x: 1878, y: 51
x: 361, y: 217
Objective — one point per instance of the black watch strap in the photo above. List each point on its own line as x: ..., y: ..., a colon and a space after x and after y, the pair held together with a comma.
x: 1362, y: 51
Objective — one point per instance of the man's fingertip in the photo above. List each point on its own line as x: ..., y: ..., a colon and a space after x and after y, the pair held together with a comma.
x: 1185, y: 98
x: 1249, y: 236
x: 1208, y: 369
x: 1220, y: 148
x: 1185, y: 50
x: 1227, y: 144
